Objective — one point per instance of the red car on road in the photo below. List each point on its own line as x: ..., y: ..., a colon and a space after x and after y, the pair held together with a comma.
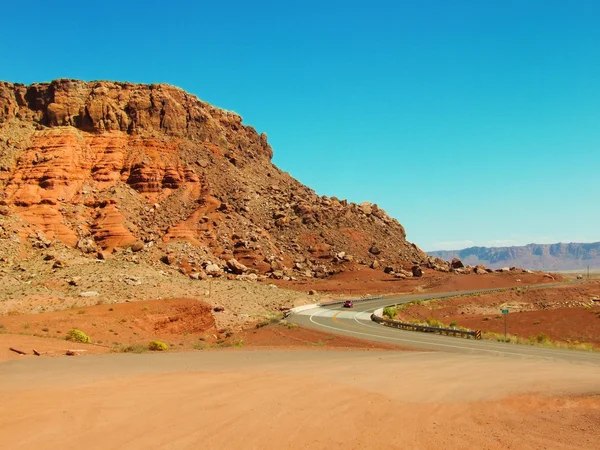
x: 348, y: 304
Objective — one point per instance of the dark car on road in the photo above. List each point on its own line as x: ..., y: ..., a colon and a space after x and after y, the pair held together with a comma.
x: 348, y: 304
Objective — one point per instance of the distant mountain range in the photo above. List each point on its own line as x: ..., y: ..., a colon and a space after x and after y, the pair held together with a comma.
x: 560, y: 256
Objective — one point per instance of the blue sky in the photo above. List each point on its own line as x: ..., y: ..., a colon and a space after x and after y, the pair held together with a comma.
x: 473, y: 123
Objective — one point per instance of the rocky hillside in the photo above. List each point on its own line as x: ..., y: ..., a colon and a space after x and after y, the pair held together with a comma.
x: 533, y: 256
x: 121, y: 170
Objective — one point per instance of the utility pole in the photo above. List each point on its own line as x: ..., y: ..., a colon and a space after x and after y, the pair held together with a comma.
x: 588, y: 273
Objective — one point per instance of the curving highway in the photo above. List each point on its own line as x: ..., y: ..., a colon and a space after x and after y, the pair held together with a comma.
x: 356, y: 322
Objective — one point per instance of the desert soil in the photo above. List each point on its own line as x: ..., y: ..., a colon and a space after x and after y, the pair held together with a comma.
x: 305, y: 399
x: 569, y: 313
x: 134, y: 304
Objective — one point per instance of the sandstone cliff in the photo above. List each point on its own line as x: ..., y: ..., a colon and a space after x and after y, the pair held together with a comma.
x: 118, y: 168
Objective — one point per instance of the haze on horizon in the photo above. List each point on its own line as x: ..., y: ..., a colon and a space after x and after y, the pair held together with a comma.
x: 472, y: 123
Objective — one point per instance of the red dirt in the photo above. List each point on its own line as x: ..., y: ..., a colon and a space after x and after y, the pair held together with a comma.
x: 184, y: 324
x: 359, y: 280
x: 278, y: 336
x: 179, y: 322
x: 563, y: 313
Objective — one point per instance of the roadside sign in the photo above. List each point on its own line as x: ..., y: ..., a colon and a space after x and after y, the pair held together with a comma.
x: 504, y: 311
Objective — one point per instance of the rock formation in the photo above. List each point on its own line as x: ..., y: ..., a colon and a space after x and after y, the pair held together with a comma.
x: 107, y: 166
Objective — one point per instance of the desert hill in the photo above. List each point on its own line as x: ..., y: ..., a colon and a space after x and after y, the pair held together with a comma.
x: 559, y: 256
x: 117, y: 170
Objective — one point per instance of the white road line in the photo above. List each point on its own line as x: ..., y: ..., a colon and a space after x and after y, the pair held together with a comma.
x: 551, y: 352
x: 420, y: 342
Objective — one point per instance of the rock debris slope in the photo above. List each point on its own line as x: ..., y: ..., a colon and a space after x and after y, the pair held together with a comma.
x: 113, y: 169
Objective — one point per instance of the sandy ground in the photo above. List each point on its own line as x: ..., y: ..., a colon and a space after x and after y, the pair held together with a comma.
x: 306, y: 399
x: 281, y: 336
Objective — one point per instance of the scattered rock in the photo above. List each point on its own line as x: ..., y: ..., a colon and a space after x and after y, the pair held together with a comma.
x: 58, y: 264
x: 200, y: 275
x: 374, y: 250
x: 89, y: 294
x: 137, y: 246
x: 213, y: 270
x: 456, y: 263
x: 480, y: 270
x: 417, y: 271
x: 169, y: 259
x: 74, y: 281
x: 219, y: 308
x: 87, y: 245
x: 236, y: 267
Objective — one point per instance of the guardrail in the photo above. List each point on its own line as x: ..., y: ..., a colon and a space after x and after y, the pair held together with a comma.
x: 340, y: 302
x: 424, y: 328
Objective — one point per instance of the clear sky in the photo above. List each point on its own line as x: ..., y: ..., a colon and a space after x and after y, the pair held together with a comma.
x: 471, y: 122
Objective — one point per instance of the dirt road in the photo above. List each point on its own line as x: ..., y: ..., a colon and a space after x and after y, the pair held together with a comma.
x: 298, y: 399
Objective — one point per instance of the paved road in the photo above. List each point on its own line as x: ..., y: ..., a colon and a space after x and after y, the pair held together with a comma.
x: 356, y: 322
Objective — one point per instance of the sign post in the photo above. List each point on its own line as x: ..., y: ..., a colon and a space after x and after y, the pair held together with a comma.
x: 504, y: 313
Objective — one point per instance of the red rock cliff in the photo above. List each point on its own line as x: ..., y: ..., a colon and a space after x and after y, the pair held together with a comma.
x: 105, y: 165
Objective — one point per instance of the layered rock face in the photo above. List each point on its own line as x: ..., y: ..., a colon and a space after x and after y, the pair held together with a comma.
x: 106, y: 166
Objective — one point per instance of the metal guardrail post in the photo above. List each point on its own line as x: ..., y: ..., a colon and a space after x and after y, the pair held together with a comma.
x: 424, y: 328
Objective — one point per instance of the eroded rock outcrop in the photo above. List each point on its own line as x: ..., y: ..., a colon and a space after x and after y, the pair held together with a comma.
x: 103, y: 166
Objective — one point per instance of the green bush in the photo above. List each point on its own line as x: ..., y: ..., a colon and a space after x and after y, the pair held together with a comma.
x: 542, y: 338
x: 157, y: 346
x: 453, y: 324
x: 77, y: 336
x: 390, y: 312
x: 435, y: 323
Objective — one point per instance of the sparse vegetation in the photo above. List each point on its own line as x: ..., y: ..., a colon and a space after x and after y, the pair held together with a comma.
x: 435, y: 323
x: 77, y: 336
x: 135, y: 348
x: 158, y: 346
x: 390, y: 312
x: 540, y: 340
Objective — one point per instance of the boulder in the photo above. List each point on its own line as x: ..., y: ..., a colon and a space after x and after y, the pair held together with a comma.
x: 277, y: 274
x: 169, y: 259
x: 213, y: 270
x: 480, y: 270
x: 58, y: 264
x: 406, y: 273
x: 276, y: 265
x: 137, y: 246
x: 375, y: 264
x: 366, y: 208
x: 417, y: 271
x: 200, y: 275
x: 456, y: 263
x: 86, y: 245
x: 89, y: 294
x: 374, y: 250
x: 236, y: 267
